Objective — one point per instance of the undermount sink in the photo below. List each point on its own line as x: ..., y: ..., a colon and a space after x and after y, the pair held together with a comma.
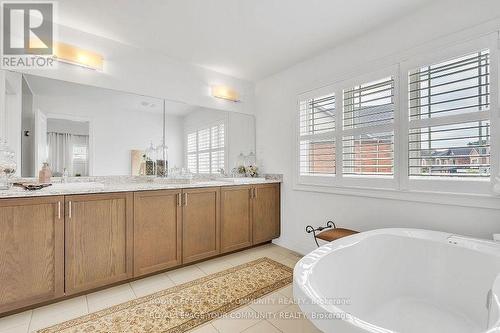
x: 77, y: 186
x: 242, y: 180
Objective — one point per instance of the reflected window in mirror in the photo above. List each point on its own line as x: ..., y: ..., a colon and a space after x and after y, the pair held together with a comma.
x: 68, y: 147
x: 205, y: 153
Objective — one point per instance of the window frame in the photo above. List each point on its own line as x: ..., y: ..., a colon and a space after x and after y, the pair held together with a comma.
x: 401, y: 185
x: 455, y: 184
x: 197, y: 129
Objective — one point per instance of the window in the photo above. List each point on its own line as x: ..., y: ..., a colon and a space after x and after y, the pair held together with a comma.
x: 80, y: 153
x: 449, y: 126
x: 317, y: 136
x: 441, y: 137
x: 368, y: 113
x: 206, y: 150
x: 357, y: 134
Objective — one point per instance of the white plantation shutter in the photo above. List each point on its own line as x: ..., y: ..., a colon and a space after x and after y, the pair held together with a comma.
x: 449, y: 119
x: 368, y: 129
x: 206, y: 150
x: 217, y: 157
x: 192, y: 151
x: 317, y: 136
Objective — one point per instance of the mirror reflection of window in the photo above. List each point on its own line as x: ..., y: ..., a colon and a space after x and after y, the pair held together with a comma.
x: 206, y: 150
x: 68, y: 147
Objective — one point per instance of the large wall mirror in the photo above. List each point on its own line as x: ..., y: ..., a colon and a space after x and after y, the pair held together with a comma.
x: 82, y: 130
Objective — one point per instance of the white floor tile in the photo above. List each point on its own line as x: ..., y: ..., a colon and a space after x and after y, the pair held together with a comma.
x: 206, y: 328
x: 16, y: 323
x: 270, y: 304
x: 243, y: 257
x: 109, y: 297
x: 17, y: 329
x: 287, y: 291
x: 290, y: 262
x: 262, y: 327
x: 281, y: 250
x: 214, y: 265
x: 292, y: 320
x: 269, y: 253
x: 185, y: 274
x: 237, y: 321
x: 151, y: 285
x: 58, y: 312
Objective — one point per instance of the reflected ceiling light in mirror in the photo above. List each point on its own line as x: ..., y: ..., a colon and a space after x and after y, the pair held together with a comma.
x: 224, y: 92
x: 76, y: 56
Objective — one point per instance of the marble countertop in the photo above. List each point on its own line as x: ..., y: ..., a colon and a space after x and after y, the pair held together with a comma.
x: 93, y: 185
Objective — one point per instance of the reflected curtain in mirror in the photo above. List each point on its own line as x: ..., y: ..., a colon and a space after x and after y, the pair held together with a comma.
x: 68, y: 151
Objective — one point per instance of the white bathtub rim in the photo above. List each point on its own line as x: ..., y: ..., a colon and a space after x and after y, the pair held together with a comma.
x: 307, y: 263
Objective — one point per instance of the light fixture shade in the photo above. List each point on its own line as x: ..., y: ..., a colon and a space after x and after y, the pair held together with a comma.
x: 226, y: 93
x: 74, y: 55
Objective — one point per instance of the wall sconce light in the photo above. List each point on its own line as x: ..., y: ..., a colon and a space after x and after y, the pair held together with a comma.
x: 226, y: 93
x: 77, y: 56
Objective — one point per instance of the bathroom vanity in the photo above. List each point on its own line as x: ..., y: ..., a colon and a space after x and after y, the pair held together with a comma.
x: 60, y: 242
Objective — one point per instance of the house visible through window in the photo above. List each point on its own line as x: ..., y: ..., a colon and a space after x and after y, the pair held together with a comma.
x: 317, y: 136
x: 206, y: 150
x: 368, y: 109
x: 449, y: 119
x: 365, y: 133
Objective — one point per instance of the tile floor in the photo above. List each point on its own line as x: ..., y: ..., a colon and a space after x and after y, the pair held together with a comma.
x: 273, y: 313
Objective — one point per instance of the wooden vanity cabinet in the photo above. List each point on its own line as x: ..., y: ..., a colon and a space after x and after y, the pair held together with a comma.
x: 98, y: 240
x: 200, y: 223
x: 62, y: 245
x: 31, y: 251
x: 157, y: 231
x: 236, y: 218
x: 266, y: 212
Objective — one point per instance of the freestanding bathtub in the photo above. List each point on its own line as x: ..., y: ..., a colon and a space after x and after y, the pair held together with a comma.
x: 401, y: 280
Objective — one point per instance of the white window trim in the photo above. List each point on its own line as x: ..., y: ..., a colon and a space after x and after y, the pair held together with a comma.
x: 197, y: 129
x: 470, y: 193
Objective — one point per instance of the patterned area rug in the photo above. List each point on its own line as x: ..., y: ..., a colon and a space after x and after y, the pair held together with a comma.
x: 186, y: 306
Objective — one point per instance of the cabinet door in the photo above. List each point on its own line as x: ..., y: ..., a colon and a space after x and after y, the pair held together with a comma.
x: 236, y: 218
x: 99, y: 240
x: 157, y: 231
x: 31, y: 251
x: 266, y: 213
x: 200, y: 223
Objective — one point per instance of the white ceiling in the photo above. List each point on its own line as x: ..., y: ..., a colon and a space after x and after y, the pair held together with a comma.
x: 78, y: 92
x: 248, y: 39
